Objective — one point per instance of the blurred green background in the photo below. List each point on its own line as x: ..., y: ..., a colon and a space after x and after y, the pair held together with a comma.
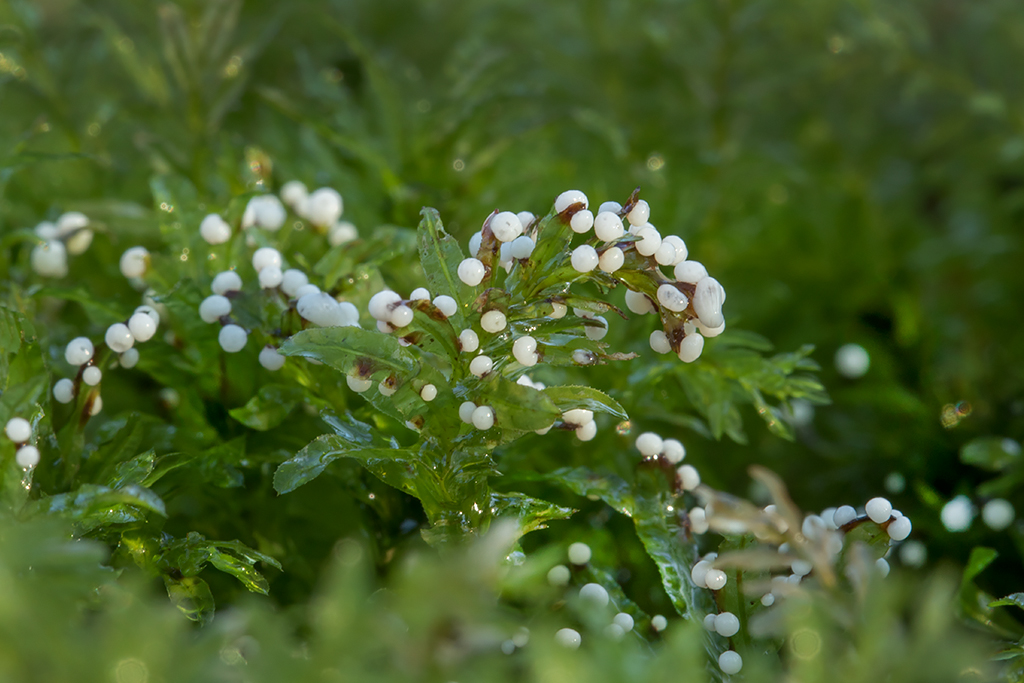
x: 852, y: 172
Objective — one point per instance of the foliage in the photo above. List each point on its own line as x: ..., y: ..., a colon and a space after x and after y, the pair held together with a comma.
x: 850, y: 171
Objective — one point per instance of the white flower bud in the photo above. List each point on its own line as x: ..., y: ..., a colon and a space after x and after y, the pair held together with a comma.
x: 382, y: 303
x: 587, y: 432
x: 506, y: 226
x: 730, y: 662
x: 27, y: 457
x: 673, y: 450
x: 690, y: 272
x: 264, y: 211
x: 525, y: 350
x: 659, y: 342
x: 64, y: 391
x: 671, y: 298
x: 214, y: 229
x: 843, y: 515
x: 727, y: 624
x: 119, y: 338
x: 92, y: 375
x: 270, y: 277
x: 715, y: 580
x: 666, y: 254
x: 639, y: 214
x: 581, y: 221
x: 447, y: 305
x: 707, y: 302
x: 649, y: 444
x: 214, y: 307
x: 291, y: 280
x: 323, y: 207
x: 691, y: 347
x: 134, y: 262
x: 130, y: 358
x: 483, y: 418
x: 266, y: 257
x: 526, y: 218
x: 579, y: 553
x: 698, y: 521
x: 227, y: 281
x: 466, y: 412
x: 142, y: 326
x: 649, y: 241
x: 900, y: 528
x: 50, y: 259
x: 18, y: 429
x: 699, y: 572
x: 878, y: 510
x: 493, y: 321
x: 679, y: 246
x: 639, y: 303
x: 401, y: 316
x: 232, y: 338
x: 428, y: 393
x: 594, y: 593
x: 358, y: 384
x: 595, y: 332
x: 689, y: 478
x: 568, y: 638
x: 78, y: 351
x: 271, y: 359
x: 294, y: 193
x: 522, y: 247
x: 608, y: 226
x: 342, y: 233
x: 471, y: 272
x: 611, y: 260
x: 568, y: 198
x: 578, y: 416
x: 997, y: 514
x: 584, y: 258
x: 481, y: 365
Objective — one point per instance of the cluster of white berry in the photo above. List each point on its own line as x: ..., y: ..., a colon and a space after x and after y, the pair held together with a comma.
x: 690, y: 303
x: 70, y: 234
x: 322, y: 208
x: 593, y: 595
x: 120, y: 338
x: 19, y: 430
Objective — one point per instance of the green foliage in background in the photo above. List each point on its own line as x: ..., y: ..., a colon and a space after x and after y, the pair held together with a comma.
x: 852, y: 172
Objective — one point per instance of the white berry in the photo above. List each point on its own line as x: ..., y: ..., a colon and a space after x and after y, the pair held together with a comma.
x: 214, y: 307
x: 232, y: 338
x: 639, y: 214
x: 679, y: 247
x: 595, y: 593
x: 698, y: 520
x: 214, y: 229
x: 584, y: 258
x: 471, y: 271
x: 150, y: 311
x: 673, y: 450
x: 481, y: 365
x: 64, y: 391
x: 690, y: 272
x: 699, y: 572
x: 878, y: 509
x: 659, y: 342
x: 579, y: 553
x: 997, y: 514
x: 342, y: 233
x: 715, y: 579
x: 142, y: 326
x: 428, y: 393
x: 900, y: 528
x: 506, y: 226
x: 727, y: 624
x: 119, y: 338
x: 596, y: 332
x: 294, y: 193
x: 271, y: 359
x: 227, y: 281
x: 270, y: 277
x: 649, y: 241
x: 611, y: 260
x: 266, y: 257
x: 50, y: 259
x: 659, y: 623
x: 469, y: 341
x: 639, y: 303
x: 483, y: 417
x: 265, y: 211
x: 18, y: 430
x: 689, y: 477
x: 323, y: 207
x: 358, y: 384
x: 493, y: 321
x: 707, y: 302
x: 691, y: 347
x: 569, y: 638
x: 568, y: 198
x: 27, y: 456
x: 581, y: 221
x: 525, y: 350
x: 130, y: 358
x: 852, y: 361
x: 843, y: 515
x: 466, y: 412
x: 649, y: 444
x: 134, y: 262
x: 78, y: 351
x: 92, y: 375
x: 730, y: 662
x: 522, y: 247
x: 587, y: 432
x: 401, y: 316
x: 447, y: 305
x: 291, y: 280
x: 608, y: 226
x: 671, y: 298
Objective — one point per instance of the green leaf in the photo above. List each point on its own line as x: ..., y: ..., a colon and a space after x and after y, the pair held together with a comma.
x: 91, y: 507
x: 530, y: 514
x: 191, y: 554
x: 192, y: 596
x: 1010, y: 600
x: 269, y: 407
x: 520, y: 408
x: 440, y: 255
x: 575, y: 396
x: 990, y: 453
x: 344, y: 347
x: 314, y: 458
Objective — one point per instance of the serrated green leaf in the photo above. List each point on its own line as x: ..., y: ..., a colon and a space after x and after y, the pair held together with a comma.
x: 192, y: 596
x: 990, y: 453
x: 1013, y: 599
x: 440, y: 255
x: 343, y: 347
x: 269, y: 407
x: 314, y: 458
x: 568, y: 397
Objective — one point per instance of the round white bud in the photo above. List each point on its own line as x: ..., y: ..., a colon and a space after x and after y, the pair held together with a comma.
x: 690, y: 272
x: 134, y: 262
x: 569, y: 638
x: 699, y: 572
x: 679, y: 246
x: 92, y: 375
x: 843, y: 515
x: 227, y: 281
x: 79, y: 242
x: 639, y: 303
x: 64, y: 391
x: 900, y: 528
x: 709, y: 621
x: 420, y: 294
x: 271, y: 359
x: 265, y: 211
x: 767, y: 599
x: 596, y: 332
x: 119, y: 338
x: 214, y: 307
x: 471, y: 271
x: 386, y: 389
x: 342, y: 233
x: 558, y: 310
x: 428, y: 393
x: 727, y: 624
x: 304, y: 290
x: 522, y: 247
x: 611, y: 260
x: 526, y: 218
x: 382, y: 303
x: 447, y: 305
x: 474, y: 243
x: 883, y: 566
x: 506, y: 226
x: 639, y: 214
x: 649, y: 444
x: 27, y: 456
x: 584, y: 258
x: 997, y: 514
x: 483, y: 417
x: 270, y: 277
x: 691, y: 347
x: 659, y: 342
x: 673, y: 450
x: 594, y: 593
x: 659, y: 623
x: 559, y: 575
x: 579, y: 553
x: 481, y: 365
x: 214, y: 229
x: 130, y: 358
x: 730, y: 662
x: 671, y: 298
x: 18, y: 429
x: 624, y: 621
x: 232, y: 338
x: 142, y: 326
x: 401, y: 316
x: 291, y: 280
x: 50, y: 259
x: 715, y: 579
x: 666, y: 254
x: 469, y: 341
x: 587, y: 432
x: 707, y: 302
x: 358, y: 384
x: 78, y: 351
x: 294, y: 193
x: 581, y: 221
x: 466, y: 412
x: 323, y: 207
x: 525, y: 350
x: 150, y: 311
x: 689, y: 477
x: 698, y: 520
x: 568, y: 198
x: 852, y: 361
x: 493, y: 321
x: 266, y: 257
x: 608, y: 226
x: 878, y: 509
x: 70, y: 222
x: 649, y: 241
